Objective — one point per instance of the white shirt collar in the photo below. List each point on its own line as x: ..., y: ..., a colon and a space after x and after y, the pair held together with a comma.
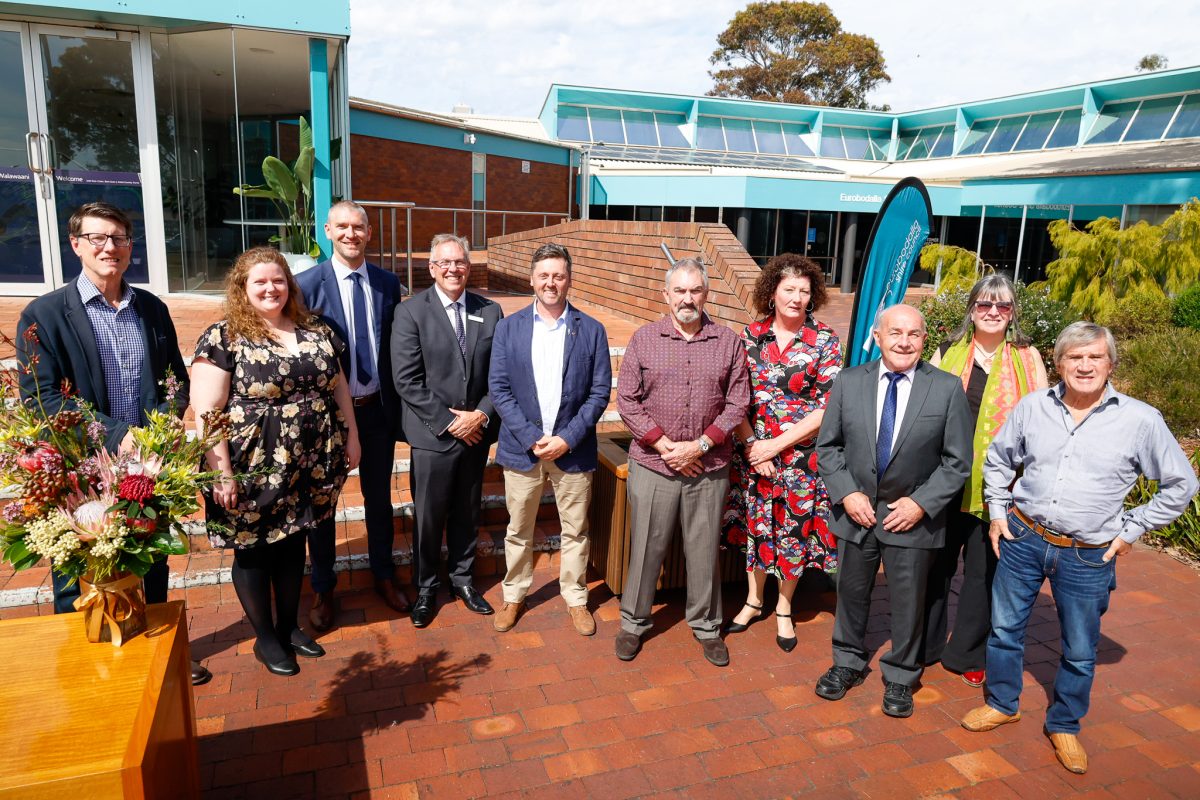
x: 562, y: 318
x: 342, y: 271
x: 908, y: 373
x: 446, y: 301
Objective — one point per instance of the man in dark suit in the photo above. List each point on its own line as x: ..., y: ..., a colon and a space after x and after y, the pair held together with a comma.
x: 550, y: 380
x: 441, y: 348
x: 114, y: 345
x: 894, y: 447
x: 358, y: 301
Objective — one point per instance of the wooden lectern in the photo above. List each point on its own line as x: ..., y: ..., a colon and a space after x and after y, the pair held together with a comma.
x: 95, y: 721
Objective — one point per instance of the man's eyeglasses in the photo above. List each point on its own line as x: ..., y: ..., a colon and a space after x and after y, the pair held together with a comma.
x: 449, y: 264
x: 101, y: 239
x: 1002, y: 307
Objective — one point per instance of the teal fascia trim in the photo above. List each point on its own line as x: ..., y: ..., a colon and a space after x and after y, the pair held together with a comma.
x: 1091, y: 111
x: 894, y: 143
x: 923, y: 119
x: 962, y: 126
x: 732, y: 191
x: 306, y: 16
x: 400, y: 129
x: 318, y: 72
x: 818, y: 131
x: 1164, y: 188
x: 693, y: 120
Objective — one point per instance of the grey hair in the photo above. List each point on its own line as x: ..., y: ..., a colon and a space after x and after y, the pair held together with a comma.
x: 1079, y: 334
x: 992, y: 287
x: 686, y: 265
x: 876, y: 325
x: 442, y: 238
x: 348, y: 205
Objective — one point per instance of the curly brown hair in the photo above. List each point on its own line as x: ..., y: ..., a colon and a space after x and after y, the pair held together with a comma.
x: 242, y: 319
x: 787, y: 265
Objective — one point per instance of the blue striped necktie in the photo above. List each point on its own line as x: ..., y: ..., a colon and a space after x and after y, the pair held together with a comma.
x: 887, y: 424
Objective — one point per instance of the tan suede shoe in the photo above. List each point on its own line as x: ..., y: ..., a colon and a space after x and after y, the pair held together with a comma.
x: 985, y: 718
x: 506, y: 617
x: 582, y: 619
x: 1070, y: 751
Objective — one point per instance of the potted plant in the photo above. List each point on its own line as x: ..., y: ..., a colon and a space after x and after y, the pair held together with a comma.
x: 290, y: 188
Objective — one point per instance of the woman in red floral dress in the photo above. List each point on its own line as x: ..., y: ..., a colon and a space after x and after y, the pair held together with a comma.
x: 778, y: 509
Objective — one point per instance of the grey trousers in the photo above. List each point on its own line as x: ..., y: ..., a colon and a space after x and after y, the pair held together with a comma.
x: 907, y: 570
x: 657, y: 504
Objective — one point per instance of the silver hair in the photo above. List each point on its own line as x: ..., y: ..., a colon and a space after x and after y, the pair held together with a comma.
x: 442, y: 238
x: 1080, y: 334
x: 876, y: 325
x: 348, y: 205
x: 686, y: 265
x: 993, y: 287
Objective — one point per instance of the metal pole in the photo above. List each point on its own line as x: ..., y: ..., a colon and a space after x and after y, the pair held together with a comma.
x: 408, y: 234
x: 848, y: 248
x: 979, y: 242
x: 667, y: 252
x: 1020, y: 244
x: 392, y: 243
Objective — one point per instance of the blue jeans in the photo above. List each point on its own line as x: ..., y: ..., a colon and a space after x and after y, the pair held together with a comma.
x: 1081, y: 583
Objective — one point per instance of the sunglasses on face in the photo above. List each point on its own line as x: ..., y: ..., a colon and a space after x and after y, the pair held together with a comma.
x: 1001, y: 306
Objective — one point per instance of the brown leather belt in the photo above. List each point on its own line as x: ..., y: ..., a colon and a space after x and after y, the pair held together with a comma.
x: 365, y: 400
x: 1053, y: 536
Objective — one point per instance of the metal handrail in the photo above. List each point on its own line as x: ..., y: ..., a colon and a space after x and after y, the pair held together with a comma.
x: 391, y: 206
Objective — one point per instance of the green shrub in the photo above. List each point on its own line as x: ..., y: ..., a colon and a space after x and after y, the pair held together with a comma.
x: 1186, y: 311
x: 960, y: 267
x: 1183, y: 533
x: 1162, y: 368
x: 1138, y: 313
x: 1041, y: 317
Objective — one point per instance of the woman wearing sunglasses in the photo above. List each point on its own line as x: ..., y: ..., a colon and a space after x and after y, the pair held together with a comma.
x: 998, y: 366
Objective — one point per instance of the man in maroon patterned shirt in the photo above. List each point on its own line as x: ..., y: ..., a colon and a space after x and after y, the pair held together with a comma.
x: 682, y: 388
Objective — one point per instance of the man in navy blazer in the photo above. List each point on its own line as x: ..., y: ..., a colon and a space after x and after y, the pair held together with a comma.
x: 550, y: 381
x: 358, y: 301
x: 86, y: 332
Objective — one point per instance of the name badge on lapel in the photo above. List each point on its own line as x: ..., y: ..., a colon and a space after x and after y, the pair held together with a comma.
x: 473, y: 318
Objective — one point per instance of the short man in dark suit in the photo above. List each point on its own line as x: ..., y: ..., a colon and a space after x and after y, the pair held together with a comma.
x: 358, y: 301
x: 114, y: 345
x: 441, y: 348
x: 894, y: 447
x: 550, y: 380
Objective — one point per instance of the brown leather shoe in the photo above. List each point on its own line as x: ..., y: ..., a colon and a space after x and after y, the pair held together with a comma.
x: 627, y: 645
x: 715, y: 651
x: 322, y: 612
x: 1070, y: 751
x: 393, y: 597
x: 506, y: 617
x: 582, y: 619
x: 985, y: 718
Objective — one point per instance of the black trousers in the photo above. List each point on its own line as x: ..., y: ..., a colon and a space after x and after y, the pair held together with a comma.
x: 907, y: 570
x: 154, y: 582
x: 375, y: 477
x: 447, y: 489
x: 967, y: 648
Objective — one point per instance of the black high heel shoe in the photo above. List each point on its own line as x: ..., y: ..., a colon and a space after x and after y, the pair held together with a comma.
x: 786, y: 645
x: 737, y: 627
x: 286, y: 667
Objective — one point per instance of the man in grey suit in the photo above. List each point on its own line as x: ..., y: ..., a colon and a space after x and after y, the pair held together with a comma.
x: 441, y: 349
x: 894, y: 447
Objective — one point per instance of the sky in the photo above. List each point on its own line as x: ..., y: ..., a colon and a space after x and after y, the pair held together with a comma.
x: 501, y: 56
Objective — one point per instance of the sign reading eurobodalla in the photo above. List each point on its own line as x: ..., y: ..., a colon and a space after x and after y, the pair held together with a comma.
x: 896, y: 239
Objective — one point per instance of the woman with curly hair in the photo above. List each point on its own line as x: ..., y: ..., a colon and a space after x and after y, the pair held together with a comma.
x: 998, y: 366
x: 273, y: 368
x: 778, y: 509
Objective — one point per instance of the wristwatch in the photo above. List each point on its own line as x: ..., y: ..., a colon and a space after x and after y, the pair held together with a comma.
x: 704, y: 445
x: 749, y: 440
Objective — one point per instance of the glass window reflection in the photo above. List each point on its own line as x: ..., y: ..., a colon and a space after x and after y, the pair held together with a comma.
x: 1152, y: 119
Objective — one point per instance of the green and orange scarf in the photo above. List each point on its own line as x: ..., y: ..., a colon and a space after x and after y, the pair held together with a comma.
x: 1009, y: 379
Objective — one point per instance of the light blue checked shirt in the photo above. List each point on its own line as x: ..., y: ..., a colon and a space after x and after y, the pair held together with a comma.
x: 122, y: 345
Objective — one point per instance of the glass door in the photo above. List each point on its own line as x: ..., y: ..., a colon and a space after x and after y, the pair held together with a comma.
x: 69, y: 134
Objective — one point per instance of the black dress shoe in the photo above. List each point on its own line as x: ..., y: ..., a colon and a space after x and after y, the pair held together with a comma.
x: 737, y: 627
x: 287, y: 666
x: 836, y: 681
x: 897, y: 700
x: 304, y: 645
x: 423, y: 610
x: 785, y: 644
x: 472, y: 599
x: 200, y: 675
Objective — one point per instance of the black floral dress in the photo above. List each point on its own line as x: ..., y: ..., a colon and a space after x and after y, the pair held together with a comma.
x: 782, y: 523
x: 287, y: 431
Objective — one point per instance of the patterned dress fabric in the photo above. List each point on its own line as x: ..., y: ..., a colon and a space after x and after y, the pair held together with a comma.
x: 287, y: 431
x: 782, y: 522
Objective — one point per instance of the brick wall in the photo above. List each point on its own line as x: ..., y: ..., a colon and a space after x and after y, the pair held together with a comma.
x: 620, y: 265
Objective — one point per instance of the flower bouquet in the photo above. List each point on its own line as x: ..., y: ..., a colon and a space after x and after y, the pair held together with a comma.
x: 98, y: 517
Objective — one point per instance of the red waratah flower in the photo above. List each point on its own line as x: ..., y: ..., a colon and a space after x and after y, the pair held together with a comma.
x: 138, y: 488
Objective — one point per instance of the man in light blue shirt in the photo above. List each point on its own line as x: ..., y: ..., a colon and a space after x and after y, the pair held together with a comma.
x: 1080, y: 447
